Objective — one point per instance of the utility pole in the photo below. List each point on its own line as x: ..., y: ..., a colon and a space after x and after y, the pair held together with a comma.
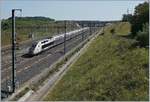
x: 103, y: 29
x: 82, y: 32
x: 127, y: 11
x: 65, y: 38
x: 57, y: 25
x: 13, y: 49
x: 90, y: 28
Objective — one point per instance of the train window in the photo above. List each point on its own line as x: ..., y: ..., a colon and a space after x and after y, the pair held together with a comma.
x: 47, y: 45
x: 34, y: 45
x: 44, y: 41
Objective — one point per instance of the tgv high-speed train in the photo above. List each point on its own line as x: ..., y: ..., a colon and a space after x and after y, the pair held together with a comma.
x: 42, y: 45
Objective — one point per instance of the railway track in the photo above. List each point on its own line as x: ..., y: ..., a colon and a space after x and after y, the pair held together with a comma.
x: 6, y: 61
x: 28, y: 67
x: 28, y: 61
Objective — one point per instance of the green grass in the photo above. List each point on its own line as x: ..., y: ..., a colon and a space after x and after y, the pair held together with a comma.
x: 110, y: 69
x: 56, y: 67
x: 19, y: 95
x: 122, y: 28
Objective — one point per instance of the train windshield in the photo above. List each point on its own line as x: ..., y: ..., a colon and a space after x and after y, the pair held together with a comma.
x: 31, y: 49
x: 34, y: 45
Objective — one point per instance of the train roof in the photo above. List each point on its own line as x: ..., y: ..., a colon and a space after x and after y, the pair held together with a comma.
x: 60, y: 35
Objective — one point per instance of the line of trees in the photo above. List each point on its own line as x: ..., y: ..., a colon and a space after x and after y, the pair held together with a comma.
x: 26, y: 21
x: 139, y: 23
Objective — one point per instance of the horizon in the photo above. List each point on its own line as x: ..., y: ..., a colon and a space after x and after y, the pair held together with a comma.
x: 57, y: 20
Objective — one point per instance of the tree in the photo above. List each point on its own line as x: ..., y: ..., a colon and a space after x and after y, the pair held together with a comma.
x: 141, y: 16
x: 127, y: 18
x: 143, y: 36
x: 5, y: 25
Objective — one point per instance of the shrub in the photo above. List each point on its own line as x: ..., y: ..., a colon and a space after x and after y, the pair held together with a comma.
x: 143, y: 36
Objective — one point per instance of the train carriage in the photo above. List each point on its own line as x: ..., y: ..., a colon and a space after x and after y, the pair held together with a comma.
x: 42, y: 45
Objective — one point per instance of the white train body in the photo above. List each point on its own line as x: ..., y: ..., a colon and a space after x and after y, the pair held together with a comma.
x: 42, y: 45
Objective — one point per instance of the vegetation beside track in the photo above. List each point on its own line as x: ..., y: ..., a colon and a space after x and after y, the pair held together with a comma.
x: 119, y: 28
x: 112, y: 68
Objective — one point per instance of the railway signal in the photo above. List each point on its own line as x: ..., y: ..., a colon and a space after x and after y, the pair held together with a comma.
x: 13, y: 49
x: 65, y: 37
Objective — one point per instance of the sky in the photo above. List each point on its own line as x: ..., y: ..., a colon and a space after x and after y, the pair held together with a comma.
x: 70, y: 10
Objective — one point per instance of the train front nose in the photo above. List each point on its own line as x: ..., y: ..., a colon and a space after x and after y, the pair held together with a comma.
x: 31, y: 51
x: 32, y: 48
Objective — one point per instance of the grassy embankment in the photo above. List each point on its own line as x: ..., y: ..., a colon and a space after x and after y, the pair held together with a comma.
x: 39, y: 26
x: 111, y: 69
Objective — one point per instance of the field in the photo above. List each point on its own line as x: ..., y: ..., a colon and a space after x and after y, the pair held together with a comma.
x: 120, y: 28
x: 113, y: 68
x: 38, y: 26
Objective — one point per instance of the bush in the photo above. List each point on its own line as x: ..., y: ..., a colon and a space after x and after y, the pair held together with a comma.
x: 143, y: 36
x: 112, y: 31
x: 140, y: 17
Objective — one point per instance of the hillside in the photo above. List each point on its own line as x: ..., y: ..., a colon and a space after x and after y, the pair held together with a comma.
x: 112, y: 68
x: 26, y: 21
